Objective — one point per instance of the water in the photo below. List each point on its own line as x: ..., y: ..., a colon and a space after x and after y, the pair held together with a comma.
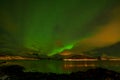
x: 64, y: 66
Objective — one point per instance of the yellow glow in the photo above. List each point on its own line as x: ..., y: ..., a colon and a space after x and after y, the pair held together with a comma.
x: 107, y: 35
x: 65, y: 53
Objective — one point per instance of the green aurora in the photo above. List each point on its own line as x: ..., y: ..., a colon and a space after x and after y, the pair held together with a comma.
x: 51, y: 25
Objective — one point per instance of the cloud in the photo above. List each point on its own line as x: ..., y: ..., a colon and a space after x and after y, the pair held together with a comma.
x: 107, y: 34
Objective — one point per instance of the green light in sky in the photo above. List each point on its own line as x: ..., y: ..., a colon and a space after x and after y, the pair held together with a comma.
x: 52, y: 26
x: 64, y: 21
x: 58, y: 50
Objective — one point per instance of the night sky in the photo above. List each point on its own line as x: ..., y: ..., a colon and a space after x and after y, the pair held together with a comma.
x: 55, y: 25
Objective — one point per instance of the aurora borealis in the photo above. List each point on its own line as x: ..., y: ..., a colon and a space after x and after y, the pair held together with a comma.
x: 56, y: 25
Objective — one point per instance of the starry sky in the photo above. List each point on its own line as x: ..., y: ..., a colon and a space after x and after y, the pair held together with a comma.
x: 56, y: 25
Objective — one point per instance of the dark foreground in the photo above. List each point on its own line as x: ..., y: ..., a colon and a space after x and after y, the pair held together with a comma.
x: 16, y: 72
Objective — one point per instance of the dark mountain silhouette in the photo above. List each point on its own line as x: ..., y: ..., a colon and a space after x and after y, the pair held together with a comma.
x: 79, y: 57
x: 112, y: 50
x: 72, y: 56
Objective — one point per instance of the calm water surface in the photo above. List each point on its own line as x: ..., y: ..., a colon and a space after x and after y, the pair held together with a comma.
x: 64, y: 66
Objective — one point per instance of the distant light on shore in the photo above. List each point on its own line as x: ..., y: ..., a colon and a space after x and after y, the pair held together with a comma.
x: 80, y: 59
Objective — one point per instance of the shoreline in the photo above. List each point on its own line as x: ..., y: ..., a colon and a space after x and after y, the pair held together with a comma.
x: 68, y: 59
x: 16, y: 72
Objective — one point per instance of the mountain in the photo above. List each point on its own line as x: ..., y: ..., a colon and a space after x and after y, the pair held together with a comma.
x: 79, y: 57
x: 112, y: 50
x: 72, y: 56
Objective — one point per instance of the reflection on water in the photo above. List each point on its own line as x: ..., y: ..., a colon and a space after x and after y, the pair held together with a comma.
x: 64, y: 66
x: 77, y: 66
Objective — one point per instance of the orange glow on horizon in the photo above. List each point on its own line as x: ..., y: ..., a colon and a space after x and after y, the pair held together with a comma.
x: 65, y: 53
